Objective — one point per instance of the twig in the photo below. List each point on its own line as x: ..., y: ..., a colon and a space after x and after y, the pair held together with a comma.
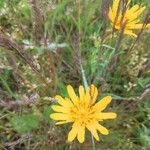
x: 37, y: 21
x: 25, y: 101
x: 145, y: 67
x: 10, y: 44
x: 140, y: 98
x: 20, y: 140
x: 76, y: 39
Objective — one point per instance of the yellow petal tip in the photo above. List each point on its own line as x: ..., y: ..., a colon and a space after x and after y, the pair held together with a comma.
x: 115, y: 115
x: 80, y: 140
x: 69, y: 86
x: 56, y: 97
x: 50, y: 116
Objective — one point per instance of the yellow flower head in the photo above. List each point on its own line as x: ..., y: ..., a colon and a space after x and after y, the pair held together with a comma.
x: 126, y: 18
x: 83, y: 111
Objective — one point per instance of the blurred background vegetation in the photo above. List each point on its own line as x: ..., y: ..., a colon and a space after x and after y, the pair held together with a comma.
x: 42, y: 45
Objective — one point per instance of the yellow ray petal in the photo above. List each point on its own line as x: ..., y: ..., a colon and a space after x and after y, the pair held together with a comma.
x: 132, y: 22
x: 102, y: 104
x: 109, y: 115
x: 60, y: 116
x: 93, y: 93
x: 81, y: 92
x: 87, y: 98
x: 73, y: 132
x: 92, y: 129
x: 129, y: 32
x: 148, y: 26
x: 134, y: 12
x: 129, y: 1
x: 101, y: 129
x: 63, y: 102
x: 115, y: 6
x: 111, y: 15
x: 140, y: 10
x: 62, y: 122
x: 81, y: 134
x: 69, y: 101
x: 139, y: 26
x: 133, y: 9
x: 60, y: 109
x: 72, y: 94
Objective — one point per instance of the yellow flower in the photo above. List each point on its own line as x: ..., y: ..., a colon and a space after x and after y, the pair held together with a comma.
x: 126, y: 19
x: 83, y: 112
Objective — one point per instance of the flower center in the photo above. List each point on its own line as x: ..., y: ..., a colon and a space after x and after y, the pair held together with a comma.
x: 82, y: 114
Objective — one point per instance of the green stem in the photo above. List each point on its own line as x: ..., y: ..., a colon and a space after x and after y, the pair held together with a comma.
x: 86, y: 86
x: 93, y: 142
x: 84, y: 77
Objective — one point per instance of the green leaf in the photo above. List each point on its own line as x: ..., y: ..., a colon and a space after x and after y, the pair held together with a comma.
x: 25, y: 123
x: 2, y: 3
x: 142, y: 82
